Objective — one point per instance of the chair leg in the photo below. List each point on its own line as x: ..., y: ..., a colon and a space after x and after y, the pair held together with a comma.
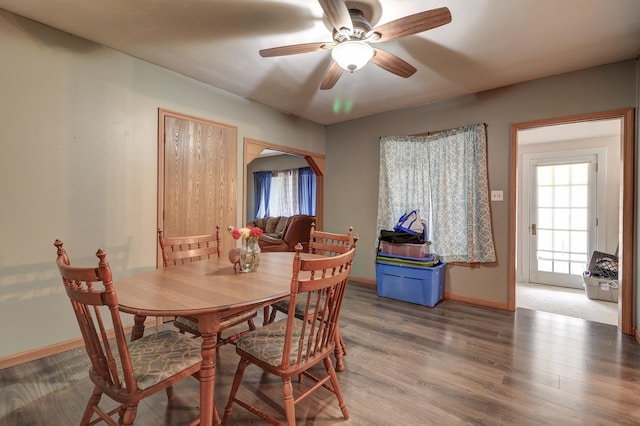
x: 129, y: 415
x: 169, y: 391
x: 343, y: 347
x: 93, y: 402
x: 251, y: 324
x: 336, y: 387
x: 232, y: 339
x: 272, y: 317
x: 289, y: 402
x: 339, y: 351
x: 242, y: 365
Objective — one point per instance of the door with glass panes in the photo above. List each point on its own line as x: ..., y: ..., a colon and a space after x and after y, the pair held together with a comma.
x: 563, y: 220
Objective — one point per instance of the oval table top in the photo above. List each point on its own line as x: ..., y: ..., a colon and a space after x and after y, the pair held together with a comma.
x: 206, y: 286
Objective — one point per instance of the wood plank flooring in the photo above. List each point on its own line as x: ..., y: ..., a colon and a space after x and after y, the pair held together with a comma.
x: 407, y: 364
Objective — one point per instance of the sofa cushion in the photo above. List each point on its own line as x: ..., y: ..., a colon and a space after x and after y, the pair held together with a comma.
x: 270, y: 226
x: 260, y: 223
x: 282, y: 223
x: 296, y: 230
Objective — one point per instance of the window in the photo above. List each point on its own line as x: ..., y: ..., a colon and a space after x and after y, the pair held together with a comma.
x: 285, y: 192
x: 283, y: 198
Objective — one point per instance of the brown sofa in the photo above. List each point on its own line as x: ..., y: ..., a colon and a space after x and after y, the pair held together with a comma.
x: 272, y: 226
x: 282, y: 233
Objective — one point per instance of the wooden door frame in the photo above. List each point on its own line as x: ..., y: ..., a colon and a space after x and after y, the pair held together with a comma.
x: 253, y: 148
x: 627, y: 195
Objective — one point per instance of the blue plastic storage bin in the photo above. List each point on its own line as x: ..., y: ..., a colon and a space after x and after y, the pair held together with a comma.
x: 414, y: 284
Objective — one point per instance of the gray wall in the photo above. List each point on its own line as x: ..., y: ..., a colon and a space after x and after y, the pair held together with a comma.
x: 352, y: 152
x: 79, y: 163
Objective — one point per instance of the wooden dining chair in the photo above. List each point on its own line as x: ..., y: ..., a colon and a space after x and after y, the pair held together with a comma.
x: 180, y: 250
x: 329, y: 243
x: 125, y: 371
x: 322, y: 243
x: 325, y: 244
x: 291, y: 346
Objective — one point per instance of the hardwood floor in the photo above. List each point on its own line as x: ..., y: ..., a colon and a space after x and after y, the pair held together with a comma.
x: 407, y: 364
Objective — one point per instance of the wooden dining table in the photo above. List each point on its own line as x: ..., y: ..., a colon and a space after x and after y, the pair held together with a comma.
x: 208, y: 290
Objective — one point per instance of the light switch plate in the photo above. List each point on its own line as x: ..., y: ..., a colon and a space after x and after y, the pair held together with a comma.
x: 497, y: 196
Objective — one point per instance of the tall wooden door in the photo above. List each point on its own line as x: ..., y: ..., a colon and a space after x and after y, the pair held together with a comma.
x: 197, y: 176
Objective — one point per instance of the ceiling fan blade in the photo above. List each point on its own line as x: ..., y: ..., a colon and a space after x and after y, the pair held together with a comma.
x: 338, y: 14
x: 392, y: 63
x: 294, y: 49
x: 412, y: 24
x: 331, y: 76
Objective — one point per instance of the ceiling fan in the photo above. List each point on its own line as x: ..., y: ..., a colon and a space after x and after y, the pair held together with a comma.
x: 352, y: 35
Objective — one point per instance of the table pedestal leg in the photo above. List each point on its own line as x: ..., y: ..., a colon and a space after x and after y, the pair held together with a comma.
x: 208, y: 412
x: 265, y: 314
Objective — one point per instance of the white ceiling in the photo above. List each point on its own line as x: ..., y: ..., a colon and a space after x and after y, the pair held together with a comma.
x: 571, y: 131
x: 488, y: 44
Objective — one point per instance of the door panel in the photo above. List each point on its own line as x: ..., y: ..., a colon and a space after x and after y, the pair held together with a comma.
x: 197, y: 176
x: 563, y: 219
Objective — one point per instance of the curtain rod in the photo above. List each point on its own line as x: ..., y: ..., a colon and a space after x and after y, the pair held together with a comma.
x: 440, y: 131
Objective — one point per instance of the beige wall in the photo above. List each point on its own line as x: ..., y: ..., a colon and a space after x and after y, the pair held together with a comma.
x: 353, y: 158
x: 79, y: 163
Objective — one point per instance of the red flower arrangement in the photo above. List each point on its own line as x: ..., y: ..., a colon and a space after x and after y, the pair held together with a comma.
x: 246, y: 232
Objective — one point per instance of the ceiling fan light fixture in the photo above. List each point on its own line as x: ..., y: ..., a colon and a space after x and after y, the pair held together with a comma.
x: 352, y: 55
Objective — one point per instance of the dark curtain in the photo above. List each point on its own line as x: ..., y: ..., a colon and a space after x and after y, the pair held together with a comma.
x: 262, y: 188
x: 307, y: 191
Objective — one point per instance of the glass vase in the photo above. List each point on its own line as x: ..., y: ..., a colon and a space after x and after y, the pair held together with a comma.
x: 249, y: 255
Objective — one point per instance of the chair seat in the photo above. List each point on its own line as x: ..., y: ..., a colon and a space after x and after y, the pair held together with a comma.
x: 283, y: 306
x: 191, y: 323
x: 267, y: 343
x: 157, y: 356
x: 187, y: 322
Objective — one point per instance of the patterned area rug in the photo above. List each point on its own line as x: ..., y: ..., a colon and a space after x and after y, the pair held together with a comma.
x: 565, y: 301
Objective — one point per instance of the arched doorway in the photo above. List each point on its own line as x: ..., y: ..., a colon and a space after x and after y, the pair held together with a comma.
x: 253, y: 148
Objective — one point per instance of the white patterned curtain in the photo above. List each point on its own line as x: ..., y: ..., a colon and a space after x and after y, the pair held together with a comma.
x: 283, y: 199
x: 445, y: 177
